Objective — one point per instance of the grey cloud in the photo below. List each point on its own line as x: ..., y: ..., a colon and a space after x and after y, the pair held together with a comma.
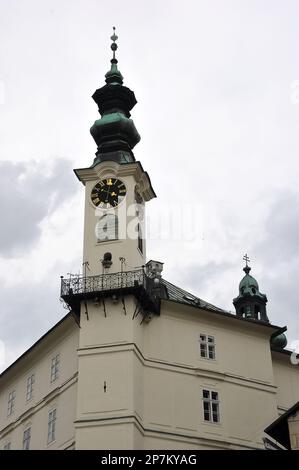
x: 278, y: 252
x: 199, y: 277
x: 27, y: 195
x: 280, y: 235
x: 28, y: 311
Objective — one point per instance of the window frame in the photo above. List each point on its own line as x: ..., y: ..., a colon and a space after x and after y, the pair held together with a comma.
x: 207, y: 347
x: 11, y: 402
x: 108, y: 230
x: 29, y: 387
x: 55, y: 368
x: 52, y: 418
x: 140, y: 243
x: 26, y: 438
x: 211, y: 406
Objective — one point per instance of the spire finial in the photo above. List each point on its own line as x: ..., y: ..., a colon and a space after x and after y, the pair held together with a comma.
x: 247, y: 260
x: 114, y: 77
x: 114, y: 46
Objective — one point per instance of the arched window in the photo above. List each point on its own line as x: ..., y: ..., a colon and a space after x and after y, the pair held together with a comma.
x: 107, y: 228
x: 140, y: 239
x: 248, y: 313
x: 256, y: 312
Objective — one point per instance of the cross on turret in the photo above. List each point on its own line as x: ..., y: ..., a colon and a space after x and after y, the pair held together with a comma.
x: 246, y: 259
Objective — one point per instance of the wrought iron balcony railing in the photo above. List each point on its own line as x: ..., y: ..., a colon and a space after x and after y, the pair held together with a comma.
x: 104, y: 282
x: 76, y: 288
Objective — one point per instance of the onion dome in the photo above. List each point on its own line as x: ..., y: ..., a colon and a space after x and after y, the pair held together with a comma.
x: 115, y: 133
x: 279, y: 341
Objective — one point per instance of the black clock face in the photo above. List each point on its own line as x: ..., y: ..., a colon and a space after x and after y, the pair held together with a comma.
x: 108, y: 193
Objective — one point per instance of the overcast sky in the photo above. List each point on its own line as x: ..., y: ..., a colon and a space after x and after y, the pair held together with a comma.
x: 217, y: 84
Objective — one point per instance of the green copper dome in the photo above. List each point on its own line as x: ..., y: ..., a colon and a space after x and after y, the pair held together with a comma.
x: 250, y: 303
x: 279, y: 341
x: 248, y: 284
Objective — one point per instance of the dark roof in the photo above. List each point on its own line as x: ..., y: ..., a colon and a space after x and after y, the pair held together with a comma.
x: 287, y: 352
x: 279, y: 429
x: 182, y: 296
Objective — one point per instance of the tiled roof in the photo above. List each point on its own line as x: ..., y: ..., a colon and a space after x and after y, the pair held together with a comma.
x: 180, y: 295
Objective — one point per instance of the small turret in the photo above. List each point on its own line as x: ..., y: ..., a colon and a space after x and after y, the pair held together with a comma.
x: 250, y: 303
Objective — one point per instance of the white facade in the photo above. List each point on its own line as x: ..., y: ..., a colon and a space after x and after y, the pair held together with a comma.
x: 126, y: 385
x: 59, y: 394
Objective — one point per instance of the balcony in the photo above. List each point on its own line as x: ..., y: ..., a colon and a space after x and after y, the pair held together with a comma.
x: 146, y: 290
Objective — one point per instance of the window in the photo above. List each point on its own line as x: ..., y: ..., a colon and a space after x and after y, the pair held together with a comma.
x: 210, y: 406
x: 107, y: 228
x: 55, y: 368
x: 207, y: 346
x: 26, y: 439
x: 29, y: 387
x: 51, y: 426
x: 11, y: 402
x: 7, y: 446
x: 140, y: 241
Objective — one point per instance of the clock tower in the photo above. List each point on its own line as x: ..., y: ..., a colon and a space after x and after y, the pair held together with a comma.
x: 116, y: 186
x: 118, y: 293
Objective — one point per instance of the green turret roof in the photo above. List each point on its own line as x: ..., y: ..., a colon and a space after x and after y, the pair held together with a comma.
x: 249, y: 286
x: 279, y: 341
x: 250, y: 303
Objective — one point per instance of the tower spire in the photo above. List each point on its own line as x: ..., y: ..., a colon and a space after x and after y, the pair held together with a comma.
x: 114, y: 38
x: 114, y: 76
x: 115, y: 133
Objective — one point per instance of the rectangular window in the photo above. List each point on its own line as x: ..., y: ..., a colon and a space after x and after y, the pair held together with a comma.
x: 29, y: 387
x: 26, y: 439
x: 107, y: 228
x: 207, y: 346
x: 51, y: 426
x: 55, y: 368
x: 7, y: 446
x: 11, y: 402
x: 210, y: 406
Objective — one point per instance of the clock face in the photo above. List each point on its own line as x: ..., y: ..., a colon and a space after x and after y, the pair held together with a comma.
x: 108, y: 193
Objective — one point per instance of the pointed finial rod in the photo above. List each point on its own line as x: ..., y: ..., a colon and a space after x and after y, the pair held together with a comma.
x: 114, y: 46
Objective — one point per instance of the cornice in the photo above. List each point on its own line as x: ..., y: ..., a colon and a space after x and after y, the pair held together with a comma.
x: 113, y: 169
x: 181, y: 368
